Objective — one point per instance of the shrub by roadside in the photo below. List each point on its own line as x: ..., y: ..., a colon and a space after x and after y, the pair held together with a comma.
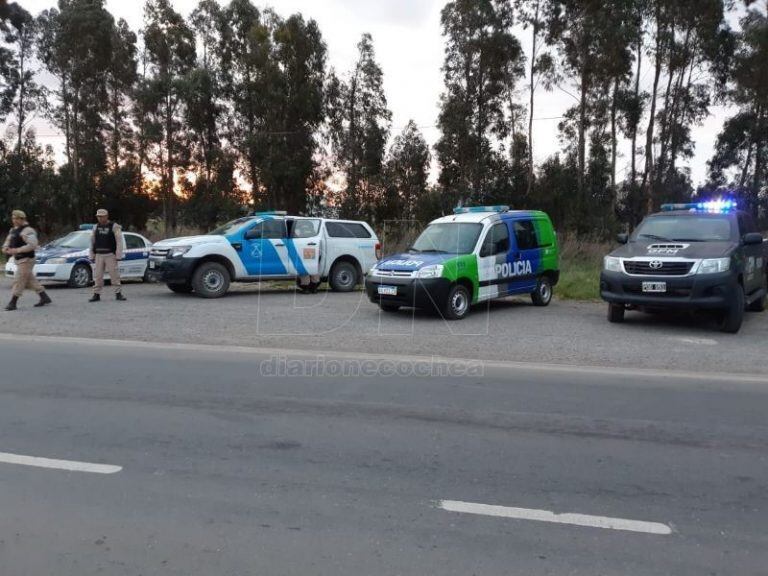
x: 581, y: 262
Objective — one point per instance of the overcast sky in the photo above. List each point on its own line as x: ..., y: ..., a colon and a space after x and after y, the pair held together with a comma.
x: 409, y: 47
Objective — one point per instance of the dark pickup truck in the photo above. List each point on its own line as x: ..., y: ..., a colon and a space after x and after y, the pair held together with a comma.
x: 703, y: 256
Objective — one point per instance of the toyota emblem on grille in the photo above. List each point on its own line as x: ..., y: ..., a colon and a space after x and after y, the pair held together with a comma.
x: 656, y: 265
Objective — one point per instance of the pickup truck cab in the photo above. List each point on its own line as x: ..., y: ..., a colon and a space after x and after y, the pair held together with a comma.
x: 475, y: 255
x: 266, y: 246
x: 701, y: 256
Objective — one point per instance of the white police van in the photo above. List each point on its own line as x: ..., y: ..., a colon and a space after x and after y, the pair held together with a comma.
x: 266, y: 246
x: 66, y: 259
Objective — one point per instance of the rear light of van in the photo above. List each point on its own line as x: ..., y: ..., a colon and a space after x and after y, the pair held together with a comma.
x: 378, y: 251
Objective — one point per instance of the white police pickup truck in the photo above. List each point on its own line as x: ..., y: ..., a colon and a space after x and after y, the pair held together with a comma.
x: 66, y: 259
x: 266, y: 246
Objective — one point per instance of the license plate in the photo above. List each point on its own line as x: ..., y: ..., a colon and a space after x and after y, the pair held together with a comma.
x: 152, y: 265
x: 654, y: 287
x: 388, y: 290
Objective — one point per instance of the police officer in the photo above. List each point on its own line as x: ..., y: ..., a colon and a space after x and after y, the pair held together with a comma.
x: 106, y: 250
x: 21, y: 244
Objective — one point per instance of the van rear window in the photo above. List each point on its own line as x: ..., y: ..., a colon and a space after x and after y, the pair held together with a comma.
x: 346, y: 230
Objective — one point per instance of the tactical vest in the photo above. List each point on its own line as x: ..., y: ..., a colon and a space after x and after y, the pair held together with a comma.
x: 105, y: 241
x: 17, y: 241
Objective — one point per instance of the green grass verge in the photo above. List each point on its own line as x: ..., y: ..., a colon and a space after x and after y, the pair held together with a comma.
x: 579, y: 280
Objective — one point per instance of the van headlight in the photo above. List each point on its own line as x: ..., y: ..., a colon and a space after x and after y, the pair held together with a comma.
x: 714, y: 266
x: 434, y: 271
x: 178, y: 251
x: 612, y: 264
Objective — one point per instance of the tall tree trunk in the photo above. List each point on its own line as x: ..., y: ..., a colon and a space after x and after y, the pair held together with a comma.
x: 649, y: 163
x: 535, y: 27
x: 614, y: 143
x: 21, y: 110
x: 637, y: 99
x: 582, y: 134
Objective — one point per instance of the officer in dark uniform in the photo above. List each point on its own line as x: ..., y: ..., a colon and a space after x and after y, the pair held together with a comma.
x: 106, y: 251
x: 21, y: 244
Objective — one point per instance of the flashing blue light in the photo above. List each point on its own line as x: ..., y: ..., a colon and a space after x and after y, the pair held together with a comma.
x: 712, y: 206
x: 270, y: 213
x: 474, y: 209
x: 87, y: 226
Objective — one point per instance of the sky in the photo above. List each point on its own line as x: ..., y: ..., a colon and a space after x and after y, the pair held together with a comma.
x: 409, y: 46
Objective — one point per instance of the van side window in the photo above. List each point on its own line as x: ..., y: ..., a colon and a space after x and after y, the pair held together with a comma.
x: 496, y: 241
x: 525, y: 234
x: 133, y: 242
x: 305, y: 228
x: 346, y: 230
x: 273, y: 229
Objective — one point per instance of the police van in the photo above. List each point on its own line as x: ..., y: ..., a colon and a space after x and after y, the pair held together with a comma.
x: 475, y: 255
x: 266, y: 246
x: 66, y: 259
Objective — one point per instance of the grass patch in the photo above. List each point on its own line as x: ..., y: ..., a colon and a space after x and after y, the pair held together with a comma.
x: 581, y: 262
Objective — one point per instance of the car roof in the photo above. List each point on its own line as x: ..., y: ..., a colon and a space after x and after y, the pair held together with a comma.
x: 480, y: 217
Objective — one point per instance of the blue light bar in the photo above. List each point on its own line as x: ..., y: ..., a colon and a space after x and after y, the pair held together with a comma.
x: 87, y: 226
x: 712, y: 206
x: 473, y: 209
x: 270, y: 213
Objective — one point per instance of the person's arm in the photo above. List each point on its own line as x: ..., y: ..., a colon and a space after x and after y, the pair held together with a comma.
x: 7, y: 242
x: 92, y: 250
x: 118, y: 240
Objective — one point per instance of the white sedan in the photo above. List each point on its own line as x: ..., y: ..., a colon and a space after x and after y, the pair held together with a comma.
x: 66, y: 259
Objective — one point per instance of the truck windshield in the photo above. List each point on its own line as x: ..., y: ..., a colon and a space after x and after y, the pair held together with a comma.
x: 685, y: 228
x: 452, y: 238
x: 230, y: 227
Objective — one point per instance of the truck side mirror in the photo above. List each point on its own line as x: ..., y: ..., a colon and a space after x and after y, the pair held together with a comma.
x: 752, y: 239
x: 622, y: 238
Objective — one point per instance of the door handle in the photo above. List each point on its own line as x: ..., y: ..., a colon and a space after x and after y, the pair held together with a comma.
x: 312, y: 244
x: 279, y: 244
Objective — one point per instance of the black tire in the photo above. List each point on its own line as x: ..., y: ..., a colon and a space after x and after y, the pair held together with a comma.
x: 616, y: 313
x: 344, y: 277
x: 389, y: 307
x: 733, y: 317
x: 458, y: 303
x: 210, y: 280
x: 81, y: 276
x: 543, y: 294
x: 180, y: 288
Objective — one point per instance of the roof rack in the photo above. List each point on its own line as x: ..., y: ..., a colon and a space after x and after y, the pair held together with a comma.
x: 475, y: 209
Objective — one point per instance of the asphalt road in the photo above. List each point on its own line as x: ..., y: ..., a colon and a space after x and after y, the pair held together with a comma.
x: 569, y: 333
x: 229, y: 466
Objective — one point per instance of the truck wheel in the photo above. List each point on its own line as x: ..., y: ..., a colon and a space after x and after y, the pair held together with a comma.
x: 180, y: 288
x: 543, y: 294
x: 81, y: 276
x: 343, y: 277
x: 734, y: 316
x: 457, y: 304
x: 210, y: 280
x: 389, y: 307
x: 616, y: 313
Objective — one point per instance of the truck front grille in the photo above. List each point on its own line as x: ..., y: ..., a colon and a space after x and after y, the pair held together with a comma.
x: 658, y: 267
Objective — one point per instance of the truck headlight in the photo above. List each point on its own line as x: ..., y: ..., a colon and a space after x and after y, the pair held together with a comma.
x: 714, y: 266
x: 434, y: 271
x: 612, y: 264
x: 56, y: 261
x: 178, y: 251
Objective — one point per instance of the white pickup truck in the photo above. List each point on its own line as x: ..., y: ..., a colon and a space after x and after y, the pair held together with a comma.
x: 266, y: 246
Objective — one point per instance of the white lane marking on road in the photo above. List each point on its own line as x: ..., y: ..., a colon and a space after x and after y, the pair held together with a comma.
x: 697, y: 341
x: 547, y: 516
x: 58, y: 464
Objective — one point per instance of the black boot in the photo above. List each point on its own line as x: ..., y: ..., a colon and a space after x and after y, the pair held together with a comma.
x: 95, y: 298
x: 12, y: 304
x: 44, y: 299
x: 120, y: 298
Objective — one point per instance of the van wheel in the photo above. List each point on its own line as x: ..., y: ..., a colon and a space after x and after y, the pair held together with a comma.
x: 458, y: 303
x: 343, y: 277
x: 180, y: 288
x: 543, y: 294
x: 210, y: 280
x: 616, y: 313
x: 81, y: 276
x: 733, y: 317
